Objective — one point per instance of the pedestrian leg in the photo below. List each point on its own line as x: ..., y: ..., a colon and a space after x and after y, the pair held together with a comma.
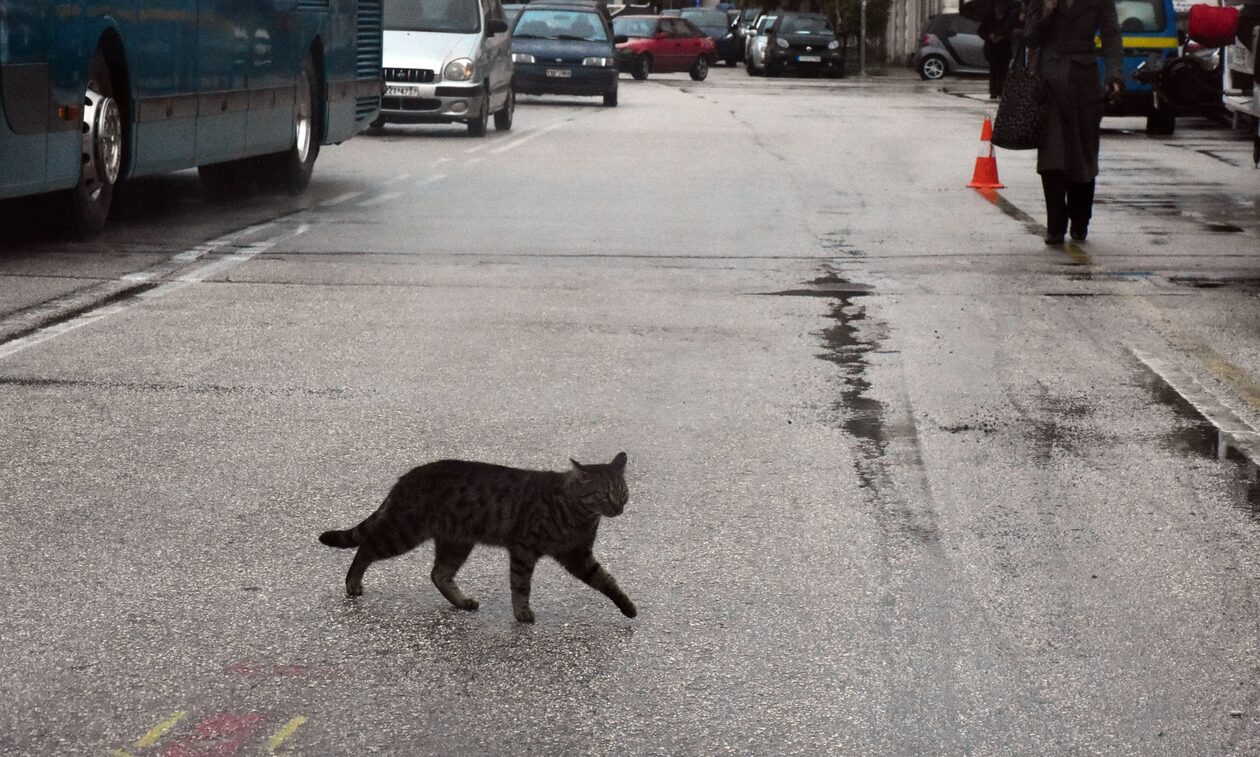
x: 1080, y: 205
x: 1054, y: 186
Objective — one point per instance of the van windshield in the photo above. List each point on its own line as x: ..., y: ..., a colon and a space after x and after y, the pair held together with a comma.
x: 456, y: 16
x: 557, y: 24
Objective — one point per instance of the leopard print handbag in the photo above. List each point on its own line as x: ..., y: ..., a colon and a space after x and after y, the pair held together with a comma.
x: 1024, y: 105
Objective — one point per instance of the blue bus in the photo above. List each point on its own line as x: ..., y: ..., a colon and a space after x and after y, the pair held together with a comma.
x: 93, y: 92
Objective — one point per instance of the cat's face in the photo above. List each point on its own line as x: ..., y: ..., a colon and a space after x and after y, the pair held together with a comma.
x: 602, y: 487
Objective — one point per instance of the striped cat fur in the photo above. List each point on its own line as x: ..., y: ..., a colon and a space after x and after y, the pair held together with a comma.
x: 459, y: 504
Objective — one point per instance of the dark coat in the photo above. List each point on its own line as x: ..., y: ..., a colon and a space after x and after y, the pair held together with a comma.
x: 1062, y: 46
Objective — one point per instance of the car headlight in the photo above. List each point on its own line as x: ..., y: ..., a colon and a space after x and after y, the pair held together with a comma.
x: 605, y: 62
x: 460, y: 69
x: 833, y: 44
x: 522, y: 58
x: 781, y: 42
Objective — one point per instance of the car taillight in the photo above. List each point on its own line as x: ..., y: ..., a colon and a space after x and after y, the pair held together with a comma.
x: 925, y: 41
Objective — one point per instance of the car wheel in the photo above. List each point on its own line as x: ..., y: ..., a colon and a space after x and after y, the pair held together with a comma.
x: 477, y: 125
x: 750, y: 68
x: 1161, y: 122
x: 642, y: 67
x: 933, y: 67
x: 101, y: 152
x: 295, y: 165
x: 700, y: 69
x: 610, y: 99
x: 503, y: 118
x: 732, y: 62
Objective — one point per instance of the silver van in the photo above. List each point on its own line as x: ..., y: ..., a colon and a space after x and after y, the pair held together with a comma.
x: 447, y: 61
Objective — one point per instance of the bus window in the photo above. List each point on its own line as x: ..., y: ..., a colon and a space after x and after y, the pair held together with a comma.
x: 1138, y: 16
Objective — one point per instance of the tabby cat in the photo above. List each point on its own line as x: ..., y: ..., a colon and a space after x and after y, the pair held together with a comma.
x: 459, y: 504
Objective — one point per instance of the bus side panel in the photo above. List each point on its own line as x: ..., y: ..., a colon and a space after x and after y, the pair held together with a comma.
x: 273, y: 68
x: 160, y: 45
x: 70, y: 62
x: 25, y: 103
x: 339, y: 62
x: 222, y: 98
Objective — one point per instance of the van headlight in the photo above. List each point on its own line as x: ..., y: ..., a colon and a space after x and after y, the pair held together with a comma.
x: 522, y: 58
x: 604, y: 62
x: 460, y: 69
x: 781, y: 42
x: 833, y: 44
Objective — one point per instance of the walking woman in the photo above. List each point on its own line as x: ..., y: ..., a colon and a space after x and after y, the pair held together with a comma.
x: 1060, y: 37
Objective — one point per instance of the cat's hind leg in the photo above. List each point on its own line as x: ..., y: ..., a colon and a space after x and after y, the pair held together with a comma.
x: 447, y: 558
x: 582, y: 564
x: 379, y: 546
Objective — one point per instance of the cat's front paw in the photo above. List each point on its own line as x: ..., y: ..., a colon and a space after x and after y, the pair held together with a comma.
x: 469, y: 604
x: 525, y: 615
x: 627, y: 608
x: 354, y: 590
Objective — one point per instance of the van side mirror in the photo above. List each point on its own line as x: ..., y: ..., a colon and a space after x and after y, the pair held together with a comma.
x: 496, y: 26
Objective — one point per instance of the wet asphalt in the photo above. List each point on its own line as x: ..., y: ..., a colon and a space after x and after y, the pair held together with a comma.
x: 901, y: 482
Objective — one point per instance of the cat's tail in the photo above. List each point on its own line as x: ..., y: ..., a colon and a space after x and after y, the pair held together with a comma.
x: 341, y: 539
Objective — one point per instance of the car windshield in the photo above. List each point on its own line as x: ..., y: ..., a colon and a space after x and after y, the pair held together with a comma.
x: 629, y: 26
x: 712, y: 19
x: 458, y: 16
x: 1140, y: 15
x: 765, y: 21
x: 557, y: 24
x: 804, y: 25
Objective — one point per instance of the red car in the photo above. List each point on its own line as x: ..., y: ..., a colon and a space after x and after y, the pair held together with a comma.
x: 661, y: 44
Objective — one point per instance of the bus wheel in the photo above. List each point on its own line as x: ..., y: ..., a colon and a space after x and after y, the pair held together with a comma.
x: 101, y: 151
x: 294, y: 166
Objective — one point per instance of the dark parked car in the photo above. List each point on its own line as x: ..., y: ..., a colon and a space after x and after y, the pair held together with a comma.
x: 950, y: 45
x: 802, y: 42
x: 717, y: 24
x: 564, y: 49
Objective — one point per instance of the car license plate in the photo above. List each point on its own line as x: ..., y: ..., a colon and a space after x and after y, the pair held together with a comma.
x: 560, y: 73
x: 809, y: 58
x: 394, y: 90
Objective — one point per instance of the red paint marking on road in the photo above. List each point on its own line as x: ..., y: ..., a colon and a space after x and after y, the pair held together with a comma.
x: 216, y: 736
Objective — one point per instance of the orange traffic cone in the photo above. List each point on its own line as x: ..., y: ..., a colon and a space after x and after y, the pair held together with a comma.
x: 985, y: 175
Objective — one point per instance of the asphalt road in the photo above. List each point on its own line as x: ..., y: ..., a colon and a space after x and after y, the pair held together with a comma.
x: 902, y: 480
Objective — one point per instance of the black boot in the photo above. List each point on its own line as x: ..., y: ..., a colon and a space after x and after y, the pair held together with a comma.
x: 1054, y: 186
x: 1080, y: 207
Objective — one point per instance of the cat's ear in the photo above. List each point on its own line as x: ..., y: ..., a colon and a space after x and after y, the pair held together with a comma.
x: 578, y: 466
x: 619, y: 461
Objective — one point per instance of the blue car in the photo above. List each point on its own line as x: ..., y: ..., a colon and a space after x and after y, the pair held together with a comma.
x: 564, y: 49
x: 718, y: 25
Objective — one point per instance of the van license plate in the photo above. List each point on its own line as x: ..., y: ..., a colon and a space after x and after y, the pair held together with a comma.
x: 396, y: 91
x: 809, y: 58
x: 560, y: 73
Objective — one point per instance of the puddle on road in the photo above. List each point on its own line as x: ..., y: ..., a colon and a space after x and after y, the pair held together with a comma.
x: 1195, y: 435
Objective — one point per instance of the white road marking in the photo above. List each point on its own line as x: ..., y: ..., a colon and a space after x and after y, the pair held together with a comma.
x: 379, y: 199
x: 340, y: 199
x: 197, y: 275
x: 532, y: 135
x: 431, y: 179
x: 398, y: 178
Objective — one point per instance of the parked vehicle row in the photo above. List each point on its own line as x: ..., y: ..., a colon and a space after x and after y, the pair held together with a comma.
x: 795, y: 42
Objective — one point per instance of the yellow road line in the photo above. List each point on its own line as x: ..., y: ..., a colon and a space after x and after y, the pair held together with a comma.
x: 285, y: 732
x: 159, y: 730
x: 1238, y: 380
